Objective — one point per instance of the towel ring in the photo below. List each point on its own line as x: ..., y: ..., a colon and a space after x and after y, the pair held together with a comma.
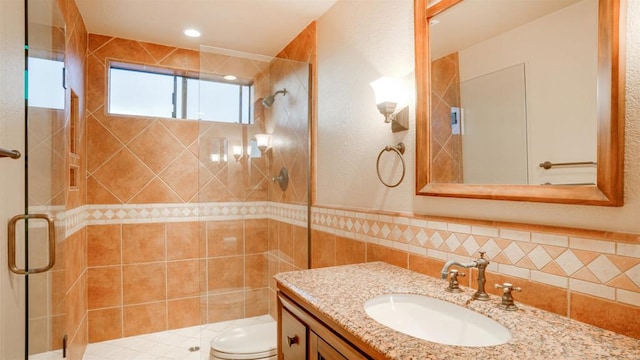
x: 398, y: 149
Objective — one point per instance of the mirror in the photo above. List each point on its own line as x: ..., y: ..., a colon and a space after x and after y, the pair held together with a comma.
x: 527, y: 107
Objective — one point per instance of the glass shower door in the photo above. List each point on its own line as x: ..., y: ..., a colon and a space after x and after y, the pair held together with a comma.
x: 254, y: 219
x: 45, y: 179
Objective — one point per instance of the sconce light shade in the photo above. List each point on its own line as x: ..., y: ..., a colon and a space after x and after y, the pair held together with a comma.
x: 388, y: 92
x: 262, y: 141
x: 387, y: 108
x: 387, y: 89
x: 236, y: 150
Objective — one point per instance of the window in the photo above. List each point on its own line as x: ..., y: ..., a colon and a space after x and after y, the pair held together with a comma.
x: 143, y: 93
x: 45, y: 83
x: 140, y: 93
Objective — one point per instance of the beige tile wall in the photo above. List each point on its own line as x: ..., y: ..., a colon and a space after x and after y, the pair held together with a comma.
x: 157, y: 276
x: 125, y: 164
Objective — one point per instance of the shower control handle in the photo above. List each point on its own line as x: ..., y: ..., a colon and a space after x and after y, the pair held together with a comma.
x: 282, y: 179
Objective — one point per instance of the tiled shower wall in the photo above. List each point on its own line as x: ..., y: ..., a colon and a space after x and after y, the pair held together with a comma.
x: 152, y: 277
x: 446, y: 147
x: 290, y: 121
x: 150, y: 274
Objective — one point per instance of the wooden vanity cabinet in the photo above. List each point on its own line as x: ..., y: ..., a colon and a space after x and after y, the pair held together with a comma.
x: 302, y: 336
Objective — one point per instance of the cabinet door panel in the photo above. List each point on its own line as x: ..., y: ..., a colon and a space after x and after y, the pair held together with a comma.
x: 293, y: 341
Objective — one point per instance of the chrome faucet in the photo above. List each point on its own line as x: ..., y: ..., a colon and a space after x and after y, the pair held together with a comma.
x: 481, y: 264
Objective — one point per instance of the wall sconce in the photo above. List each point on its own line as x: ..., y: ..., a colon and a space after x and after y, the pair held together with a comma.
x: 236, y: 150
x: 262, y: 141
x: 388, y: 91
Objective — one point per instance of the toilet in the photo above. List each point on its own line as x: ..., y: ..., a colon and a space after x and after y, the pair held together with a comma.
x: 251, y: 342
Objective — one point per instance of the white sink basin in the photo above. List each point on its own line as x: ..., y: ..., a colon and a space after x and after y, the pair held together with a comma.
x: 436, y: 320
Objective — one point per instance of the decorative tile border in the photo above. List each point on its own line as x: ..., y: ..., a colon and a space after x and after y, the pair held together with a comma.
x: 288, y: 213
x: 146, y: 213
x: 597, y: 267
x: 80, y: 217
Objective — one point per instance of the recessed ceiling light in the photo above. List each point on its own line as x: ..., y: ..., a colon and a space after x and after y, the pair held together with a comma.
x: 192, y: 33
x: 434, y: 22
x: 230, y: 77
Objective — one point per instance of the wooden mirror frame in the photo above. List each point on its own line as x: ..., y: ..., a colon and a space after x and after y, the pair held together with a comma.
x: 608, y: 190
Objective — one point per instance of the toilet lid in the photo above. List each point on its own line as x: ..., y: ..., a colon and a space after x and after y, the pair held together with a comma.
x: 248, y: 342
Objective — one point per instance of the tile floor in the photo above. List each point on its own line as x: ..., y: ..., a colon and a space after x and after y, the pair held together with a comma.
x: 165, y: 345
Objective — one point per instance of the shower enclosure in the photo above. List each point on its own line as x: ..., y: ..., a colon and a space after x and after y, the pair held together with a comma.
x: 250, y: 227
x: 185, y: 223
x: 37, y: 278
x: 161, y: 222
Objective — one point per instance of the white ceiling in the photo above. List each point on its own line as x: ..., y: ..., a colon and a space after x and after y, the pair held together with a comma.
x: 256, y: 26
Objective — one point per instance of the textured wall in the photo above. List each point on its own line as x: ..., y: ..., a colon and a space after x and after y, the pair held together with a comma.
x: 359, y: 42
x: 352, y: 52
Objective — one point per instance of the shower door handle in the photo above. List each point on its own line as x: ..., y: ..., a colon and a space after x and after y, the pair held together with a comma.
x: 11, y: 238
x: 14, y: 154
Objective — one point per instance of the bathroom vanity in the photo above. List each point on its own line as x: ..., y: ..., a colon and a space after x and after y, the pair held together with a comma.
x: 302, y: 336
x: 321, y: 315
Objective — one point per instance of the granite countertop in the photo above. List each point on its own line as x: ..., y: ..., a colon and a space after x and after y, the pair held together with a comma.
x: 340, y: 293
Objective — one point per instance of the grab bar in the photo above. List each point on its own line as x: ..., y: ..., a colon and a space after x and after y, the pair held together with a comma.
x: 548, y: 164
x: 14, y: 154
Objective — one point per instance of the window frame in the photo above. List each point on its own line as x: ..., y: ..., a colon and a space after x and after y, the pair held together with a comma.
x: 182, y: 77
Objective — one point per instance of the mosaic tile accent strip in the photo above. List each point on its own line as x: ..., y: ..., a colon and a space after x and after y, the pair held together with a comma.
x: 150, y: 213
x: 597, y: 267
x: 219, y: 211
x: 288, y: 213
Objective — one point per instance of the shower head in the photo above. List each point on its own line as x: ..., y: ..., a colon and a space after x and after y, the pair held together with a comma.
x: 268, y: 101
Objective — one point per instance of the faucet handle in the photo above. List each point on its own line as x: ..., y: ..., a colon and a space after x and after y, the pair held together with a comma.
x: 507, y: 298
x: 453, y: 281
x: 481, y: 252
x: 508, y: 287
